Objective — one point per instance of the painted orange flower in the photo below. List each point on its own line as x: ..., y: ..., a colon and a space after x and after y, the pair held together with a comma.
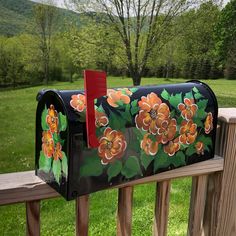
x: 57, y: 153
x: 152, y: 113
x: 188, y: 108
x: 172, y: 147
x: 126, y: 91
x: 167, y: 131
x: 52, y: 119
x: 209, y: 123
x: 100, y: 119
x: 78, y: 102
x: 188, y: 132
x: 112, y: 145
x: 117, y: 98
x: 149, y: 146
x: 47, y: 143
x: 199, y: 148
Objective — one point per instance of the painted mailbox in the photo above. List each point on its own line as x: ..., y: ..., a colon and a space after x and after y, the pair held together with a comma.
x: 94, y: 139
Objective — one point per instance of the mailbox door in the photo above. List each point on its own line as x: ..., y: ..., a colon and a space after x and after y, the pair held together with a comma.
x: 141, y: 131
x: 52, y: 141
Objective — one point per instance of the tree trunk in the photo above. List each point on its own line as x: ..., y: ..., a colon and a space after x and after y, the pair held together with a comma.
x: 136, y: 77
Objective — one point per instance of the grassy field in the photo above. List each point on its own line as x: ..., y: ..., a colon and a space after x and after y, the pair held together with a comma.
x: 17, y: 119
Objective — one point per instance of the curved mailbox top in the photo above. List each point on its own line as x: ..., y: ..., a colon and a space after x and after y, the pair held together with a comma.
x: 140, y: 131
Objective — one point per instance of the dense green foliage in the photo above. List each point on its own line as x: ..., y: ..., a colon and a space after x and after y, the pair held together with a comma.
x: 17, y: 17
x: 226, y: 38
x: 201, y: 46
x: 17, y: 131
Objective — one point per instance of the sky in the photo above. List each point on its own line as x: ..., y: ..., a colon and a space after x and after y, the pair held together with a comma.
x: 60, y: 3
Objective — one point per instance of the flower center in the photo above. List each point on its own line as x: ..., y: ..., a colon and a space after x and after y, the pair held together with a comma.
x: 153, y: 114
x: 109, y: 145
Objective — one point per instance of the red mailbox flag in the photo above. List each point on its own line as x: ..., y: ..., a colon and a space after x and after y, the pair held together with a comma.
x: 95, y: 86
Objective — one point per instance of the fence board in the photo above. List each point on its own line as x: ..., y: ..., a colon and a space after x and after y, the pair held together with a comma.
x: 226, y: 224
x: 124, y: 211
x: 33, y: 218
x: 197, y: 205
x: 25, y: 186
x: 212, y: 204
x: 162, y: 208
x: 82, y: 215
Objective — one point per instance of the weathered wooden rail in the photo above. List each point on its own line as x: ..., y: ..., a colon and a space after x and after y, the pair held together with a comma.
x: 212, y: 207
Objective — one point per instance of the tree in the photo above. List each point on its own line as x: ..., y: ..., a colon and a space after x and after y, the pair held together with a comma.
x: 141, y: 26
x: 4, y: 58
x: 226, y: 38
x: 15, y: 67
x: 44, y: 17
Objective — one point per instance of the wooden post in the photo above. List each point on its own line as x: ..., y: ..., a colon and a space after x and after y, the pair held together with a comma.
x: 226, y: 223
x: 82, y: 215
x: 33, y: 218
x: 212, y: 204
x: 197, y: 205
x: 124, y: 212
x: 161, y: 208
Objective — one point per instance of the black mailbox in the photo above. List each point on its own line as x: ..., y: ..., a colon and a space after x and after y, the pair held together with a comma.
x: 140, y: 131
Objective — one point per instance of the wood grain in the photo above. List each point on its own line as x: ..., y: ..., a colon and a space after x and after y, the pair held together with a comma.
x: 82, y: 215
x: 201, y: 168
x: 226, y: 224
x: 197, y: 205
x: 25, y: 186
x: 212, y: 204
x: 124, y: 211
x: 227, y: 115
x: 33, y: 218
x: 161, y: 208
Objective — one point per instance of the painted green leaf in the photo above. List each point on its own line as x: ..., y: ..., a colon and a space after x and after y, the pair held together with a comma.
x: 139, y: 133
x: 134, y: 107
x: 56, y: 137
x: 162, y: 160
x: 56, y: 169
x: 44, y: 162
x: 133, y: 90
x: 183, y: 146
x: 114, y: 169
x: 43, y: 119
x: 198, y: 122
x: 178, y: 159
x: 172, y: 114
x: 165, y: 94
x: 202, y: 104
x: 64, y: 164
x: 195, y: 90
x: 175, y: 99
x: 198, y: 95
x: 189, y: 95
x: 201, y: 114
x: 207, y: 141
x: 131, y: 167
x: 127, y: 114
x: 146, y: 160
x: 116, y: 122
x: 100, y: 109
x: 99, y: 131
x: 190, y: 150
x: 91, y: 166
x: 62, y: 122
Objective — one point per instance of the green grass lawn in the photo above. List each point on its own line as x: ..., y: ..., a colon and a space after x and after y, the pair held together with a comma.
x: 17, y: 131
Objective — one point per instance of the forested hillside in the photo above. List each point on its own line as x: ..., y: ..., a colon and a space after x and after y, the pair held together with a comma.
x: 16, y: 16
x: 41, y: 43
